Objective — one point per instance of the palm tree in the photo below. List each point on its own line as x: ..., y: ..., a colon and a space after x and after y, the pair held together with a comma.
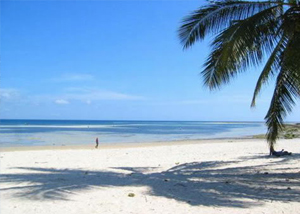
x: 247, y: 34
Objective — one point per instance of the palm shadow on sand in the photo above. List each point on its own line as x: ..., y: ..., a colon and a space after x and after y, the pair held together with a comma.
x: 211, y: 183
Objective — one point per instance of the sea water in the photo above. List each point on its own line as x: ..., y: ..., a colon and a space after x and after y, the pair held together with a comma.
x: 75, y: 132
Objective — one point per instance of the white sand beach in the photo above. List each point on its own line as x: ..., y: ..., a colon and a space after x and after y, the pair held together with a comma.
x: 220, y: 176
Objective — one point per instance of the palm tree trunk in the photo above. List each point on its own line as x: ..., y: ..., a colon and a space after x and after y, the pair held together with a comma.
x: 271, y: 148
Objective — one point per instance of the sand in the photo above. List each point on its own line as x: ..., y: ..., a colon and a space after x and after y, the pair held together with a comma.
x: 223, y: 176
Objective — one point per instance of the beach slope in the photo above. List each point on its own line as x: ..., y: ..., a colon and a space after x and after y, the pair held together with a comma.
x: 220, y: 176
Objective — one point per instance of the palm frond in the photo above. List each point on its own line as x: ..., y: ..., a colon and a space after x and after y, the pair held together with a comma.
x: 282, y: 102
x: 216, y: 17
x: 240, y: 46
x: 246, y: 32
x: 286, y: 90
x: 272, y: 66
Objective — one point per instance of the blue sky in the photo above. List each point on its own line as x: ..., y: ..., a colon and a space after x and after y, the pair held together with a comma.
x: 112, y: 60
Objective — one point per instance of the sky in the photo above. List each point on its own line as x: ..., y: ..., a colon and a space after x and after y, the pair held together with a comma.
x: 113, y: 60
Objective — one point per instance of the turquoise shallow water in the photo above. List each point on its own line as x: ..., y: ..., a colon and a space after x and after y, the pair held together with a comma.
x: 72, y: 132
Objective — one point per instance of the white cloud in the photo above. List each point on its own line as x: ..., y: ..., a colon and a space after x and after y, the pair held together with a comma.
x: 84, y: 94
x: 214, y: 100
x: 74, y: 77
x: 62, y: 102
x: 9, y: 93
x: 88, y: 95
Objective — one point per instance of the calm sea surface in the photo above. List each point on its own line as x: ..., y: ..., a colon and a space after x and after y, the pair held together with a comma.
x: 74, y: 132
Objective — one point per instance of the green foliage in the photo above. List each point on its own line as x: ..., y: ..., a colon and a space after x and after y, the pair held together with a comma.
x: 289, y: 136
x: 244, y: 33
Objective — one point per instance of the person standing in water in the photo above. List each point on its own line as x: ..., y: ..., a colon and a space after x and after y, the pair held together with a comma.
x: 97, y: 143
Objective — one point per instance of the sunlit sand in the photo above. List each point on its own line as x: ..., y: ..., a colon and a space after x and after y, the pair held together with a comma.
x: 217, y: 176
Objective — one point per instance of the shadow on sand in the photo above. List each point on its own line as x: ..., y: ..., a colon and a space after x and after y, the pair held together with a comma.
x: 211, y: 183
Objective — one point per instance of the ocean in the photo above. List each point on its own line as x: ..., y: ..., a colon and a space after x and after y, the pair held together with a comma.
x: 76, y: 132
